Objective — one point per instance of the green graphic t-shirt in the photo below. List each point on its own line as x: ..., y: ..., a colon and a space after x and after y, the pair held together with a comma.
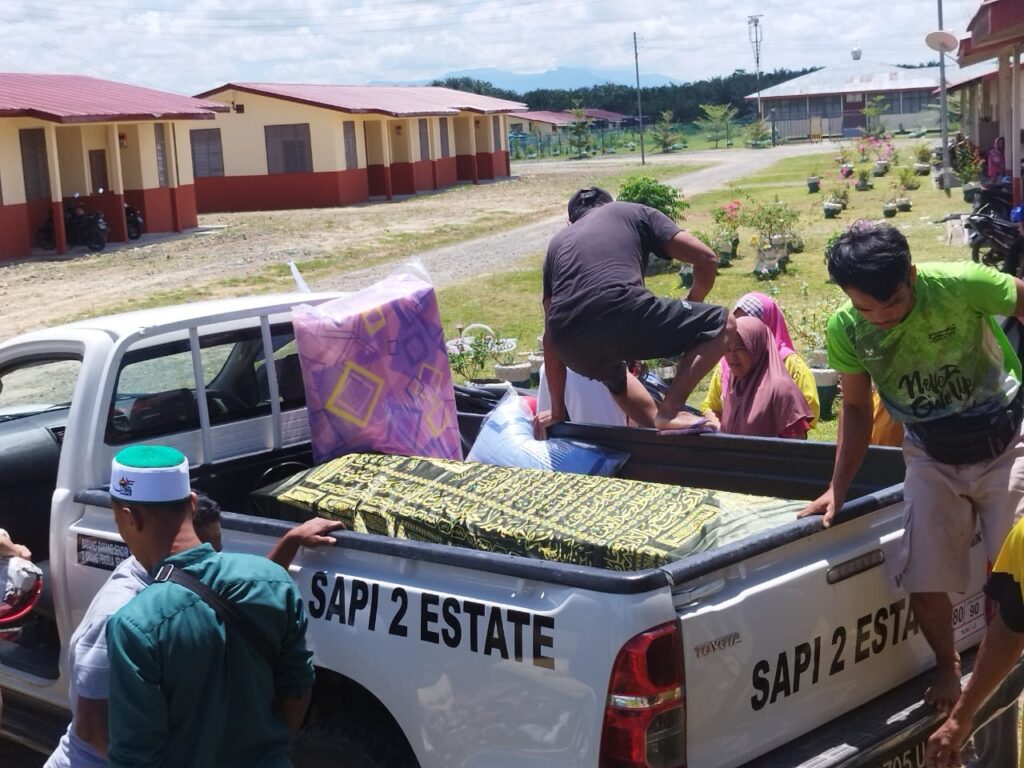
x: 948, y: 356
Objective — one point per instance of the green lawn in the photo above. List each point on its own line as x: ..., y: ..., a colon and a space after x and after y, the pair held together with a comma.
x: 510, y: 301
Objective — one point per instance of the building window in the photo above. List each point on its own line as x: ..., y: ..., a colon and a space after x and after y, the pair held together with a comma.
x: 446, y: 150
x: 207, y: 152
x: 424, y: 127
x: 917, y: 101
x: 34, y: 164
x: 348, y: 130
x: 288, y: 148
x: 496, y: 131
x: 161, y: 154
x: 790, y: 109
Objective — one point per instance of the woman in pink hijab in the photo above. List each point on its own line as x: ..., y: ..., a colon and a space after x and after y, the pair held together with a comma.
x: 765, y: 309
x: 761, y: 399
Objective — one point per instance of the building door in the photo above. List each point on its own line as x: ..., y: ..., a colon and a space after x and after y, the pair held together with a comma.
x: 853, y: 115
x: 98, y: 170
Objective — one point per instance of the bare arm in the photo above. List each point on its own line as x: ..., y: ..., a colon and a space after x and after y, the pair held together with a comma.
x: 1019, y: 309
x: 685, y: 247
x: 854, y: 437
x: 91, y: 723
x: 999, y: 651
x: 293, y: 710
x: 554, y: 371
x: 312, y: 533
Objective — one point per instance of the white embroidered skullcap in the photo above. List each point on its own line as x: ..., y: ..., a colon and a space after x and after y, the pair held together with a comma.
x: 150, y: 474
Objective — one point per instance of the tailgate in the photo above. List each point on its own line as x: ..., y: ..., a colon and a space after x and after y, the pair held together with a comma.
x: 784, y: 641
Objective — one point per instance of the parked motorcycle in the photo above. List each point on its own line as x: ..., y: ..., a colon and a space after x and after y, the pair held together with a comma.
x: 134, y: 221
x: 990, y: 238
x: 80, y: 228
x: 995, y: 199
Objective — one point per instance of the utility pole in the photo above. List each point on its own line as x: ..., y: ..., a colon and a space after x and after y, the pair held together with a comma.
x: 639, y: 105
x: 944, y: 114
x: 756, y: 36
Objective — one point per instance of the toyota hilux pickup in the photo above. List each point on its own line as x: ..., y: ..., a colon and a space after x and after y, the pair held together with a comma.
x: 792, y: 645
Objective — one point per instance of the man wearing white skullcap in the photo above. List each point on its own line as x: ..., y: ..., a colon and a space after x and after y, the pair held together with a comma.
x: 187, y: 688
x: 84, y: 745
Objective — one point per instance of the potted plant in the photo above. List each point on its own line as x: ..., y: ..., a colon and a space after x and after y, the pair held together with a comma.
x: 717, y: 242
x: 908, y: 178
x: 468, y: 354
x: 922, y: 159
x: 813, y: 182
x: 831, y: 208
x: 840, y: 193
x: 726, y: 230
x: 889, y: 208
x: 863, y: 179
x: 773, y: 225
x: 904, y: 204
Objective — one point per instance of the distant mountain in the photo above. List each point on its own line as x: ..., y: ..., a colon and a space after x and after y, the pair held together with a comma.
x: 560, y: 78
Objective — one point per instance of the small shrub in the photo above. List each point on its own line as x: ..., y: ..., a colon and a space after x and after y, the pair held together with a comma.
x: 651, y: 192
x: 908, y: 178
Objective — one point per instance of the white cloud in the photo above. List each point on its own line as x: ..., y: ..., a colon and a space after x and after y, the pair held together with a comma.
x: 191, y: 46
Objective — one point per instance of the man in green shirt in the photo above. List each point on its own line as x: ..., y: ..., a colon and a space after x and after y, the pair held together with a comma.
x: 929, y: 341
x: 186, y: 689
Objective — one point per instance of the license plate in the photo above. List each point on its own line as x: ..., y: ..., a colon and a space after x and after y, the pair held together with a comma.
x: 969, y: 616
x: 908, y: 757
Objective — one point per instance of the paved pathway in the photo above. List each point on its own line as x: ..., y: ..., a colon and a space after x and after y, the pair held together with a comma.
x: 504, y: 250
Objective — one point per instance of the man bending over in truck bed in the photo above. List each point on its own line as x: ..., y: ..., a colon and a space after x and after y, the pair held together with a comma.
x: 928, y: 340
x: 598, y: 313
x: 85, y: 742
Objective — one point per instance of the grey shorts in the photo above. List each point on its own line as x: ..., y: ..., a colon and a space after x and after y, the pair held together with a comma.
x: 650, y: 329
x: 943, y: 504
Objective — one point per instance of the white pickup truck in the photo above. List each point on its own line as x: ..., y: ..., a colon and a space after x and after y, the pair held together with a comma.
x: 793, y: 646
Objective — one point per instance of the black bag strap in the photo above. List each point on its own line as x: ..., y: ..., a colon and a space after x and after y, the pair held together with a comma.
x: 225, y: 609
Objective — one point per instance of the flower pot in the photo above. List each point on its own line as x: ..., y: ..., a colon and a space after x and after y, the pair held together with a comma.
x: 880, y: 169
x: 536, y: 360
x: 846, y: 171
x: 827, y: 382
x: 813, y: 185
x: 889, y: 211
x: 904, y: 204
x: 770, y: 262
x: 516, y: 373
x: 831, y: 210
x: 863, y: 186
x: 922, y: 169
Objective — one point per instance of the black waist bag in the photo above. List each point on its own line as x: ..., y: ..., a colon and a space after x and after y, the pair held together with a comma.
x: 971, y: 439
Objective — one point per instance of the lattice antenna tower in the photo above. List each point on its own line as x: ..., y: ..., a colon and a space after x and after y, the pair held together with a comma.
x: 755, y: 32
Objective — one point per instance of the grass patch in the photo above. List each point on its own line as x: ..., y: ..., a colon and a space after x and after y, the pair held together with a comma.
x: 511, y: 301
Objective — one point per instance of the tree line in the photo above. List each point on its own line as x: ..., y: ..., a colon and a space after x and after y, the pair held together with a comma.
x: 683, y: 101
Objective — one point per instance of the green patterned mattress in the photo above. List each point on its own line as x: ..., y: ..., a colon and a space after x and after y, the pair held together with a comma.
x: 621, y: 525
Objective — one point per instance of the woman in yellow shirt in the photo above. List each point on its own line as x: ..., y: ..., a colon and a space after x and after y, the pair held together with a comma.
x: 767, y: 311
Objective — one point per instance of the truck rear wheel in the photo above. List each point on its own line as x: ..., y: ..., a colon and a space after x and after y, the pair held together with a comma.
x: 340, y: 742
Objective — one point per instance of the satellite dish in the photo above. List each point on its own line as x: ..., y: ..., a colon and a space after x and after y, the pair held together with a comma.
x: 942, y: 41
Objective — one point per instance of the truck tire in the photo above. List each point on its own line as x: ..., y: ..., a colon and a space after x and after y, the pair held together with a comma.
x: 337, y: 742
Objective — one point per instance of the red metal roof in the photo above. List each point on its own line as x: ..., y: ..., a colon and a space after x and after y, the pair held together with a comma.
x: 604, y: 114
x: 83, y: 99
x: 540, y: 116
x: 396, y: 100
x: 996, y: 25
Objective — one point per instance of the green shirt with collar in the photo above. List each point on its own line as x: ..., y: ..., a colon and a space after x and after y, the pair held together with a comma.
x: 948, y: 356
x: 188, y: 692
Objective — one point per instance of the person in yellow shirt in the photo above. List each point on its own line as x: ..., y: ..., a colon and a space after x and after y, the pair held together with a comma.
x: 767, y: 311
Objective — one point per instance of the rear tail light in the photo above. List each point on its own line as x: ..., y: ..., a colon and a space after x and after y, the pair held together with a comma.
x: 645, y: 716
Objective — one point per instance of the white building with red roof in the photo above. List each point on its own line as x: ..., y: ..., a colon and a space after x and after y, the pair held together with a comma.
x: 307, y: 146
x: 67, y: 134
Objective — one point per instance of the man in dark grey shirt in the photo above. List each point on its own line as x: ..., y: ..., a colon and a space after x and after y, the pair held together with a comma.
x: 598, y: 313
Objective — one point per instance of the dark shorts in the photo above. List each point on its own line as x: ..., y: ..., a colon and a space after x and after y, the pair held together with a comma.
x: 649, y: 329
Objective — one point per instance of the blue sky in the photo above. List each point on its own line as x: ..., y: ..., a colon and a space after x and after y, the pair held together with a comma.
x: 191, y: 46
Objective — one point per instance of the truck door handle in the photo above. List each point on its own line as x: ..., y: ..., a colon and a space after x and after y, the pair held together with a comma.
x: 850, y: 568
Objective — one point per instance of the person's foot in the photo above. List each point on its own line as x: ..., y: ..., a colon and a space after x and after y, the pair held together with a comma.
x: 9, y: 549
x: 681, y: 420
x: 944, y: 690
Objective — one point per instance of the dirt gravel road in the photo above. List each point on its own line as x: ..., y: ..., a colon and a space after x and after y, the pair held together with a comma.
x: 342, y: 248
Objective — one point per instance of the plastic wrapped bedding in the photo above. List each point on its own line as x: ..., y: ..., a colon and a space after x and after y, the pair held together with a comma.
x: 620, y: 525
